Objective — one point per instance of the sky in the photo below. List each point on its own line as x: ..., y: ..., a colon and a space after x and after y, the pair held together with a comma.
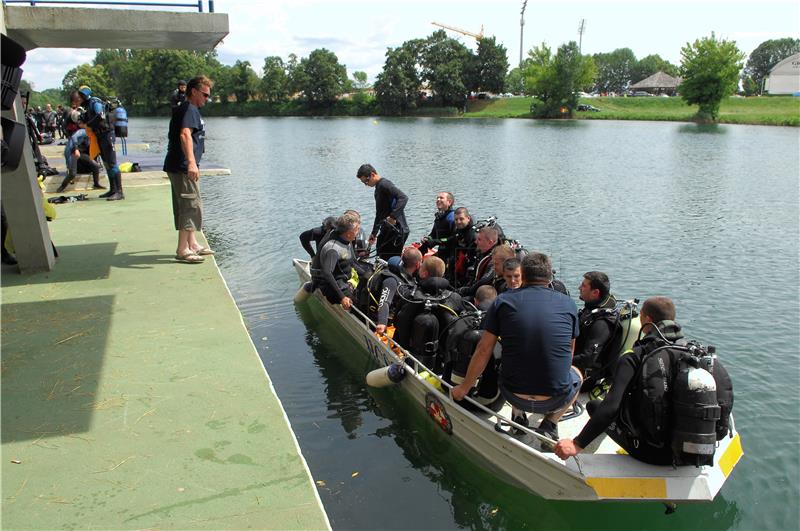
x: 360, y: 31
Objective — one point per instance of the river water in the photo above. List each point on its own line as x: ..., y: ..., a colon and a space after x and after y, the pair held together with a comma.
x: 708, y: 215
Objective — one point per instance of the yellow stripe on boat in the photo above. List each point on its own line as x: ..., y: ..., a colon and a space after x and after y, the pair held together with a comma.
x: 731, y: 456
x: 650, y: 488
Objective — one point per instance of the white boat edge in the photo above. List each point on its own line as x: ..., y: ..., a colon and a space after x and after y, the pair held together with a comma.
x: 608, y: 476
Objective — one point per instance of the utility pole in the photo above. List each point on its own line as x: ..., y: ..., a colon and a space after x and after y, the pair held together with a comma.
x: 581, y: 29
x: 521, y: 26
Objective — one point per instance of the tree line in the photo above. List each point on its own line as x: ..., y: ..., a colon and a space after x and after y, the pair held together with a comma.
x: 437, y: 71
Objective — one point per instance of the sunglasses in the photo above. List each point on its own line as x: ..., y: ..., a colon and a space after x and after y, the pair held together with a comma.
x: 206, y: 94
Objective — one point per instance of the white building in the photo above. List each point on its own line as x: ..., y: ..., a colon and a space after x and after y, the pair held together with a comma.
x: 784, y: 78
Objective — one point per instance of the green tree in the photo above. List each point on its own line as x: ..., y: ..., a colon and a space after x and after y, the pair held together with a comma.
x: 615, y: 70
x: 445, y: 67
x: 245, y: 81
x: 651, y: 64
x: 397, y: 85
x: 294, y: 75
x: 274, y: 82
x: 323, y: 78
x: 515, y: 81
x: 489, y: 67
x: 94, y: 77
x: 360, y: 80
x: 767, y: 55
x: 710, y: 70
x: 224, y: 83
x: 556, y: 81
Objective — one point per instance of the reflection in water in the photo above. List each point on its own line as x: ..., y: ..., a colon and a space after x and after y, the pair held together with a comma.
x: 703, y: 129
x: 477, y: 499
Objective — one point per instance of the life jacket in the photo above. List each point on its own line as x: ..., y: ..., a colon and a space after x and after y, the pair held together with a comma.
x: 672, y: 413
x: 120, y: 122
x: 587, y: 317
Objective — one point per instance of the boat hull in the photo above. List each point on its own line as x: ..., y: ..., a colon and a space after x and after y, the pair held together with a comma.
x: 589, y: 477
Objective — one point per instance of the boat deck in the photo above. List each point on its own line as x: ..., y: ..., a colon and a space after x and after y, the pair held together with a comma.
x: 132, y: 395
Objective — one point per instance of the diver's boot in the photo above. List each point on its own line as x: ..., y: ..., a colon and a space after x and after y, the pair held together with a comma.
x: 110, y: 188
x: 116, y: 188
x: 96, y: 179
x: 66, y: 182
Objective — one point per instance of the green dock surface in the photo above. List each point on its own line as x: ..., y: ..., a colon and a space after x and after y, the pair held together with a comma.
x: 132, y: 395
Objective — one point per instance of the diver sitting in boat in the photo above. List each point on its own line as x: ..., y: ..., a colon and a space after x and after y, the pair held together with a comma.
x: 426, y: 310
x: 500, y: 255
x: 444, y: 228
x: 595, y: 353
x: 463, y: 257
x: 332, y: 269
x: 538, y: 326
x: 485, y: 241
x: 512, y: 274
x: 382, y: 286
x: 647, y: 398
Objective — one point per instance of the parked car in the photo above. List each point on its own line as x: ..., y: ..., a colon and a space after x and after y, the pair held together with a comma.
x: 640, y: 93
x: 587, y: 107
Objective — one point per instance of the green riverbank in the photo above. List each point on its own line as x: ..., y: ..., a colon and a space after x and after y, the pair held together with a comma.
x: 765, y: 110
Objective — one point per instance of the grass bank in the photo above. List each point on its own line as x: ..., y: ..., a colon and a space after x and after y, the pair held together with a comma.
x: 772, y: 110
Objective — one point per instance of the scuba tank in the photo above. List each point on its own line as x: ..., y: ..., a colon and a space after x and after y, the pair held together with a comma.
x: 425, y: 336
x: 386, y: 376
x: 695, y: 410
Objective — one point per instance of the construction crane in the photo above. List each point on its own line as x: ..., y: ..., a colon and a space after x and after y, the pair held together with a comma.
x: 476, y: 36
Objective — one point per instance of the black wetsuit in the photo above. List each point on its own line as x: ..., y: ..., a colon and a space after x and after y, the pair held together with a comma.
x: 597, y: 331
x: 316, y: 234
x: 442, y: 234
x: 463, y: 257
x: 605, y: 414
x: 389, y: 201
x: 332, y: 267
x: 383, y: 289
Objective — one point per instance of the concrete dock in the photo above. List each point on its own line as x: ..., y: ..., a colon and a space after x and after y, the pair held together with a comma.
x: 132, y: 395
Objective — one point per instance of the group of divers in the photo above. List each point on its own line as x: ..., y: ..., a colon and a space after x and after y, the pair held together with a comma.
x: 432, y: 297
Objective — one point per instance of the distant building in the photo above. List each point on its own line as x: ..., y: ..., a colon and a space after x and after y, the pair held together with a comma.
x: 784, y: 78
x: 658, y: 83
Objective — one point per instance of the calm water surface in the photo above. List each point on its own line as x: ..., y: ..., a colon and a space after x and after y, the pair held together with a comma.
x: 705, y: 215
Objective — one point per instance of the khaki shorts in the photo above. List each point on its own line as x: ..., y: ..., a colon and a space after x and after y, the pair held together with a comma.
x: 187, y: 206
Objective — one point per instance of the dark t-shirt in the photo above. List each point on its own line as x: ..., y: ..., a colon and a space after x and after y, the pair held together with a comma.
x: 536, y: 325
x: 187, y: 116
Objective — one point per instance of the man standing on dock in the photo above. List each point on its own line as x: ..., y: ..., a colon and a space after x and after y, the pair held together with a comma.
x: 390, y: 228
x: 185, y: 149
x: 97, y: 120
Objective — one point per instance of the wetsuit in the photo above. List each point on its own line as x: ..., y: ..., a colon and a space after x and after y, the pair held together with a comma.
x: 442, y: 234
x: 597, y: 324
x: 176, y: 99
x: 383, y: 289
x: 389, y: 201
x: 316, y: 234
x: 463, y: 257
x: 332, y: 267
x: 95, y: 119
x: 606, y: 415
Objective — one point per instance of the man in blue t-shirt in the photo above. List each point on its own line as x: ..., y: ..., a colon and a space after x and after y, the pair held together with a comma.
x: 538, y: 326
x: 182, y: 164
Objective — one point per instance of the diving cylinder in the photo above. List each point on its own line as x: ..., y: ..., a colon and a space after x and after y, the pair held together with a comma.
x: 425, y: 337
x: 465, y: 348
x: 695, y: 412
x: 386, y: 376
x: 303, y: 293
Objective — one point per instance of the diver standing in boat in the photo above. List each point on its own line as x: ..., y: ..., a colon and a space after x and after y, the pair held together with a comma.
x: 316, y: 234
x: 538, y: 326
x: 390, y: 229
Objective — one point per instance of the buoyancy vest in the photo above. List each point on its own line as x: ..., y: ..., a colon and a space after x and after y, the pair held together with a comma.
x: 587, y: 317
x: 96, y: 115
x: 672, y: 412
x: 120, y: 122
x: 433, y: 295
x: 375, y: 282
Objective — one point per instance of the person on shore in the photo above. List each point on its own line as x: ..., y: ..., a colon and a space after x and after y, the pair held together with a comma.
x: 184, y: 151
x: 390, y: 229
x: 659, y: 329
x: 332, y: 267
x: 316, y: 234
x: 76, y: 155
x: 49, y: 119
x: 538, y: 326
x: 444, y: 228
x: 95, y: 119
x: 597, y: 324
x: 178, y: 96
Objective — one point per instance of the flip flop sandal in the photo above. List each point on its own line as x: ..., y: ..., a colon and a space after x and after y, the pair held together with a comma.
x: 205, y: 251
x: 189, y: 258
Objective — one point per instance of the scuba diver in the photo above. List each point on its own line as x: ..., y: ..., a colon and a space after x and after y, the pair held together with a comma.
x: 383, y: 284
x: 332, y: 268
x: 316, y: 235
x: 97, y: 120
x: 390, y: 229
x: 443, y: 230
x: 595, y: 353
